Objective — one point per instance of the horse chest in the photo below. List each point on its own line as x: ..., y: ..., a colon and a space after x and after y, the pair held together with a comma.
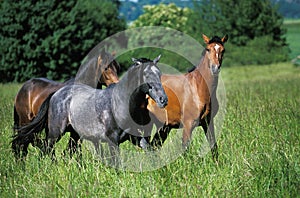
x: 198, y: 100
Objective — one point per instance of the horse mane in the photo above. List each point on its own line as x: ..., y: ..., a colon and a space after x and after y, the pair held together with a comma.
x: 191, y: 69
x: 109, y: 58
x: 116, y: 64
x: 194, y: 67
x: 143, y: 60
x: 216, y: 39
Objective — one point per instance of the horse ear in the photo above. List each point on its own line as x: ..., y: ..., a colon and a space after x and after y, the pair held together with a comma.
x: 136, y: 61
x: 102, y: 52
x: 113, y: 53
x: 225, y: 38
x: 205, y: 38
x: 156, y: 59
x: 99, y: 61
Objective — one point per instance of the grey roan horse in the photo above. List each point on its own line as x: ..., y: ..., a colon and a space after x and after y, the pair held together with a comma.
x: 98, y: 115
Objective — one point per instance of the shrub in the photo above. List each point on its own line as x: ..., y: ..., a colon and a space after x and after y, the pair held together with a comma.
x: 51, y: 38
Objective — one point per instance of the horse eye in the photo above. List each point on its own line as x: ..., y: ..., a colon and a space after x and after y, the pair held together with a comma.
x: 207, y: 49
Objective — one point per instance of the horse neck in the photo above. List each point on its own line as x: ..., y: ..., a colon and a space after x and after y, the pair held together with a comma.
x: 127, y: 99
x: 138, y: 100
x: 204, y: 71
x: 89, y: 74
x: 123, y: 91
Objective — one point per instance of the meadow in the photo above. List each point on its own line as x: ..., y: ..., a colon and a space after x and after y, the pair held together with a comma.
x: 258, y: 146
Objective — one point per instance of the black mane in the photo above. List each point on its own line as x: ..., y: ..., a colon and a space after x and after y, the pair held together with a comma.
x: 143, y: 60
x: 216, y: 39
x: 192, y: 69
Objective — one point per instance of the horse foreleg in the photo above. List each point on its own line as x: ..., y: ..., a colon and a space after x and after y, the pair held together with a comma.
x: 160, y: 136
x: 208, y: 127
x: 114, y: 154
x: 188, y: 127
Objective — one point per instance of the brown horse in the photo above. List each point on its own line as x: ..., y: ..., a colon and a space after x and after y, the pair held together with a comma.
x: 192, y: 97
x: 98, y: 71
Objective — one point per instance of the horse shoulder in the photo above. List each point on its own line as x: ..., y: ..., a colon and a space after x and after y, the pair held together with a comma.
x: 174, y: 87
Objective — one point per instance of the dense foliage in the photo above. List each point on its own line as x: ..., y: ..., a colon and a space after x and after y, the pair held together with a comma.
x: 50, y: 38
x: 131, y: 10
x: 162, y: 15
x: 256, y: 35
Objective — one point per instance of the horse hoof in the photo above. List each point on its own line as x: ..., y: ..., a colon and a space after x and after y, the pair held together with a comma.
x: 144, y: 144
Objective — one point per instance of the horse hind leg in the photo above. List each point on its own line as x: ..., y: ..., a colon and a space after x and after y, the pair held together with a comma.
x: 73, y: 144
x: 50, y: 147
x: 16, y: 119
x: 54, y: 135
x: 20, y: 150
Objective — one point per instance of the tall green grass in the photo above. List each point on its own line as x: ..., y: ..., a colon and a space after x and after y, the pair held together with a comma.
x: 259, y: 150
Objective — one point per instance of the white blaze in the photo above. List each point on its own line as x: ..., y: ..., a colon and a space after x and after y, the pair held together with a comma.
x: 216, y: 48
x: 155, y: 70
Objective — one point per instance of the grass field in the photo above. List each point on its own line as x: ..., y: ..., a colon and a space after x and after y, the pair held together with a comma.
x: 259, y: 150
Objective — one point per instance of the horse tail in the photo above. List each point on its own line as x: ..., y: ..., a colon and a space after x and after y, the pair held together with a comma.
x: 16, y: 119
x: 25, y: 134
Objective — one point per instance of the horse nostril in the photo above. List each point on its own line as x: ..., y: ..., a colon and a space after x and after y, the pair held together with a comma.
x: 163, y: 100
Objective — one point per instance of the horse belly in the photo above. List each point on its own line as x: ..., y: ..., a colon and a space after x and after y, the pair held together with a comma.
x: 88, y: 122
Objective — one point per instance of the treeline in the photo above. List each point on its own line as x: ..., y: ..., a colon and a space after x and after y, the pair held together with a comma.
x: 288, y: 9
x: 131, y: 10
x: 51, y: 38
x: 256, y: 34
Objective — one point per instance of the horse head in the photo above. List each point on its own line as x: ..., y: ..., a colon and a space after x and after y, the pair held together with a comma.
x: 108, y: 68
x: 215, y: 51
x: 151, y: 82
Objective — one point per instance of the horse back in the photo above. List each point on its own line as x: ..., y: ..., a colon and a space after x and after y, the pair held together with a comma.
x: 89, y: 110
x: 31, y: 95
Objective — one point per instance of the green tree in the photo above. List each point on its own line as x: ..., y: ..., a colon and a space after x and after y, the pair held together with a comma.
x: 166, y: 15
x: 255, y: 25
x: 163, y: 15
x: 51, y: 38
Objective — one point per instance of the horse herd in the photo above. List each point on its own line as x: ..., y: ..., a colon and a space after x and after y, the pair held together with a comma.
x: 125, y: 110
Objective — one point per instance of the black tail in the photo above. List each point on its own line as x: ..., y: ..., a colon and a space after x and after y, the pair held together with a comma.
x: 25, y: 134
x: 16, y: 119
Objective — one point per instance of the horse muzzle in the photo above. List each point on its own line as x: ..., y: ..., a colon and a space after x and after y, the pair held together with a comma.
x: 160, y: 97
x: 215, y: 69
x: 163, y: 101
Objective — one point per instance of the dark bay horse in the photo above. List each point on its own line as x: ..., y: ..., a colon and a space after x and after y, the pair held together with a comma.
x: 98, y: 115
x: 192, y: 97
x: 97, y: 71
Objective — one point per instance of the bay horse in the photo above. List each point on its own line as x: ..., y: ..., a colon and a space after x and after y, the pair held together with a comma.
x: 98, y: 115
x: 99, y: 70
x: 192, y: 98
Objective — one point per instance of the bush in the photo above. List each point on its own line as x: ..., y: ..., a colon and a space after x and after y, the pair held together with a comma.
x: 259, y: 51
x: 51, y: 38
